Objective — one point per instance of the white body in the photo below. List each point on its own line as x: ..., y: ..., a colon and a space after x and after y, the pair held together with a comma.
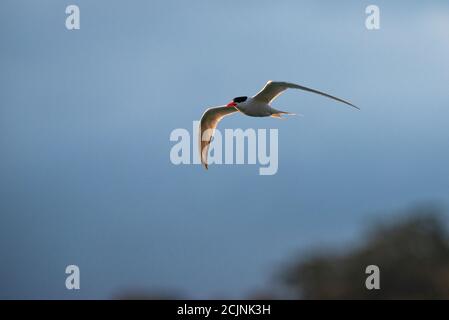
x: 255, y: 108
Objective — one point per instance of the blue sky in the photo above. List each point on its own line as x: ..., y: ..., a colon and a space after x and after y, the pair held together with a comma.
x: 85, y: 119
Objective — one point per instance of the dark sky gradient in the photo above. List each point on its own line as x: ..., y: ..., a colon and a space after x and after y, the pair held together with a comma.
x: 85, y: 119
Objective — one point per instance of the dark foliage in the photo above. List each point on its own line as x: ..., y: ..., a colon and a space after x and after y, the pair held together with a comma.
x: 412, y: 254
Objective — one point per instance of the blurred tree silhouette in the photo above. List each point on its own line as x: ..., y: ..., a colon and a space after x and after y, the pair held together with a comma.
x: 412, y: 254
x: 148, y: 295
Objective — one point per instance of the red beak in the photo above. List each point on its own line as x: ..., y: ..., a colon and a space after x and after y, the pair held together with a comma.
x: 231, y: 104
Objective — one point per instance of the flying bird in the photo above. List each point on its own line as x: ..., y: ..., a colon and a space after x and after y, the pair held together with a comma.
x: 256, y: 106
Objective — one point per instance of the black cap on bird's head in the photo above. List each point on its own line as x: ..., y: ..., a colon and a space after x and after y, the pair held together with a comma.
x: 236, y: 101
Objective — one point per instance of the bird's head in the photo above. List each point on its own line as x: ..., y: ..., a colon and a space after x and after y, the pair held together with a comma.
x: 236, y: 101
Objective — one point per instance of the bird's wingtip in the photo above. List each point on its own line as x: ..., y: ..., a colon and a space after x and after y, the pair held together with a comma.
x: 352, y: 105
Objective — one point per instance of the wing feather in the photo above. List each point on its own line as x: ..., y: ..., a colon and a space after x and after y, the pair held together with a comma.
x: 273, y: 89
x: 209, y: 121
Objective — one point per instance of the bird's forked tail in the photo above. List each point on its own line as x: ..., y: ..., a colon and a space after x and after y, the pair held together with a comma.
x: 278, y: 114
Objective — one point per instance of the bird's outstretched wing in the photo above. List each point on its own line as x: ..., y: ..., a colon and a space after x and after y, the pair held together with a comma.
x: 273, y: 89
x: 209, y: 121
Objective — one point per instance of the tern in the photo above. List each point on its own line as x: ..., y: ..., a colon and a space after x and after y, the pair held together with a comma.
x: 256, y: 106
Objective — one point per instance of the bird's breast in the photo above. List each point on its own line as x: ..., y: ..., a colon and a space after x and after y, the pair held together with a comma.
x: 255, y: 109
